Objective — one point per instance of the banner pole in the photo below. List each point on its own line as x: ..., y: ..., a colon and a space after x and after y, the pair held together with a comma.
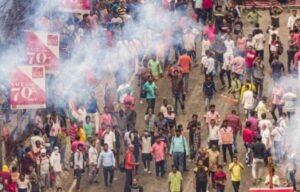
x: 2, y: 140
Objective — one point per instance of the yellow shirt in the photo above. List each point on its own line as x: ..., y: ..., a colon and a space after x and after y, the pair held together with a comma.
x: 252, y: 88
x: 260, y: 109
x: 175, y: 179
x: 236, y: 171
x: 82, y: 135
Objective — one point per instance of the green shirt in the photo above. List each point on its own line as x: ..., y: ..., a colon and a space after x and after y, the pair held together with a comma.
x: 175, y: 179
x: 253, y: 17
x: 150, y: 90
x: 155, y: 67
x: 88, y: 127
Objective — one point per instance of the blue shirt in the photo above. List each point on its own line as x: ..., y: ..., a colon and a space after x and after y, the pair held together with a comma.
x: 179, y: 145
x: 106, y: 159
x: 92, y: 106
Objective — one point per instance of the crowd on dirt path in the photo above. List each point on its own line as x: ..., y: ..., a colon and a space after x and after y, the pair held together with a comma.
x: 110, y: 141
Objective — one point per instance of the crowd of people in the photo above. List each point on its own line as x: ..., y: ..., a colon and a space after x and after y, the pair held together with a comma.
x: 114, y: 140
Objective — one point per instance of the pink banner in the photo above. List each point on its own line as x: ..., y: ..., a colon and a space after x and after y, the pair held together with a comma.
x: 271, y: 190
x: 77, y: 6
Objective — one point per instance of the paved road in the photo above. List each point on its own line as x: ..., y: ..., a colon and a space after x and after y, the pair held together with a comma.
x: 195, y: 104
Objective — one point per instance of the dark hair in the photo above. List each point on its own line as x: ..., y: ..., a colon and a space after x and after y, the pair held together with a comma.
x: 212, y: 106
x: 263, y: 116
x: 195, y: 115
x: 77, y: 137
x: 174, y: 166
x: 248, y: 124
x: 233, y: 111
x: 220, y: 166
x: 36, y: 132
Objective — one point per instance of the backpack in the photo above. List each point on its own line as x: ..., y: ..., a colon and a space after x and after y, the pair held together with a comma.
x: 201, y: 175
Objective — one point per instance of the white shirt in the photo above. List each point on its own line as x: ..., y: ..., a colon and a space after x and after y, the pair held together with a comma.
x: 271, y: 32
x: 189, y: 41
x: 258, y: 41
x: 214, y: 133
x: 55, y: 161
x: 289, y: 100
x: 266, y: 135
x: 110, y: 139
x: 34, y: 139
x: 146, y: 145
x: 205, y: 46
x: 93, y: 155
x: 198, y: 4
x: 229, y: 44
x: 228, y: 56
x: 248, y: 100
x: 291, y: 21
x: 283, y: 122
x: 266, y: 122
x: 275, y: 180
x: 163, y: 109
x: 210, y: 65
x: 277, y: 133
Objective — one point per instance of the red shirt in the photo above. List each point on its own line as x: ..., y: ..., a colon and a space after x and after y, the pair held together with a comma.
x: 185, y: 63
x: 234, y: 121
x: 254, y: 125
x: 207, y: 4
x: 220, y: 176
x: 248, y: 136
x: 129, y: 161
x: 249, y: 58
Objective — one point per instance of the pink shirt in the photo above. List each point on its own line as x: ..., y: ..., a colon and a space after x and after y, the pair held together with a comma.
x: 277, y: 95
x: 158, y: 151
x: 210, y: 32
x: 296, y: 58
x: 75, y: 144
x: 209, y: 116
x: 254, y: 125
x: 241, y: 43
x: 106, y: 119
x: 237, y: 65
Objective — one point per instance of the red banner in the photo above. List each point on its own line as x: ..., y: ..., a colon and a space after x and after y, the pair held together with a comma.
x: 42, y: 48
x: 75, y: 6
x: 28, y: 87
x: 271, y: 190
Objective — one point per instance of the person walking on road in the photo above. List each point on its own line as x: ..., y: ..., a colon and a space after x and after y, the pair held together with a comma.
x: 129, y: 167
x: 107, y: 161
x: 175, y: 180
x: 201, y: 177
x: 78, y: 165
x: 178, y: 149
x: 92, y: 162
x: 226, y: 139
x: 258, y: 150
x: 235, y: 169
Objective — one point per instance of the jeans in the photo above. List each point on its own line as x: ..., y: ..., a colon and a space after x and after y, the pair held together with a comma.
x: 290, y: 60
x: 249, y: 73
x: 292, y: 177
x: 177, y: 50
x: 236, y: 186
x: 259, y: 84
x: 228, y: 74
x: 212, y: 176
x: 220, y: 189
x: 78, y: 173
x: 63, y: 157
x: 207, y: 14
x: 128, y: 180
x: 274, y: 107
x: 260, y: 53
x: 186, y: 82
x: 151, y: 104
x: 159, y: 168
x: 207, y: 101
x: 257, y: 165
x: 224, y: 149
x: 178, y: 97
x: 234, y: 146
x: 53, y: 141
x: 178, y: 160
x: 92, y: 173
x: 201, y: 186
x: 277, y: 147
x: 108, y: 170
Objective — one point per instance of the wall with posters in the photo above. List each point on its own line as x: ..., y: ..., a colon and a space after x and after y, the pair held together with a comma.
x: 28, y: 87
